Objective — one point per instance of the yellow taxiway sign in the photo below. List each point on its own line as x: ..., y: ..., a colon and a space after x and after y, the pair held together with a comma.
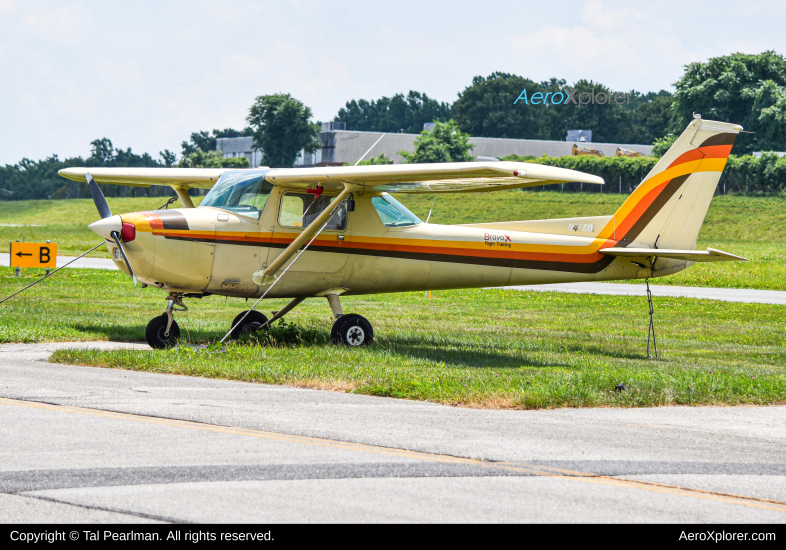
x: 33, y: 254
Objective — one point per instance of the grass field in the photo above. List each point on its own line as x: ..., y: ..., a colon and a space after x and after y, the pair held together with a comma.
x: 64, y: 221
x: 753, y: 227
x: 488, y: 348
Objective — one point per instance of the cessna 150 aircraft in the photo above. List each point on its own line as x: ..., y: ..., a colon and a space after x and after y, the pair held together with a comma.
x: 246, y: 236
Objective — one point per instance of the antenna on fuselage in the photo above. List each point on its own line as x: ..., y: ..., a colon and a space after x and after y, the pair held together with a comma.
x: 431, y: 209
x: 369, y: 150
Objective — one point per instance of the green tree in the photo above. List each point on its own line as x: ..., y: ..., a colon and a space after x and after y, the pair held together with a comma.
x: 393, y: 114
x: 661, y: 145
x: 212, y: 159
x: 204, y: 141
x: 103, y: 154
x: 168, y: 157
x: 29, y: 179
x: 488, y: 108
x: 610, y: 122
x: 381, y: 159
x: 746, y: 89
x: 282, y: 127
x: 651, y: 115
x: 770, y: 105
x: 444, y: 143
x: 496, y: 107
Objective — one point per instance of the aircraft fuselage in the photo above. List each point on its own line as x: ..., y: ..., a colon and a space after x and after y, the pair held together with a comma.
x: 210, y: 250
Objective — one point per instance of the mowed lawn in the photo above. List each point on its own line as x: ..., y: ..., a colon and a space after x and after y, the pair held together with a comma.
x: 486, y: 348
x: 753, y: 227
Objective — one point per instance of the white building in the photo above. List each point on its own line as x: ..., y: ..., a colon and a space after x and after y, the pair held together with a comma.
x: 346, y: 147
x: 240, y: 147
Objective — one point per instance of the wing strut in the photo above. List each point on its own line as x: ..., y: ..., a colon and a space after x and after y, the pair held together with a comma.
x: 182, y: 193
x: 269, y: 275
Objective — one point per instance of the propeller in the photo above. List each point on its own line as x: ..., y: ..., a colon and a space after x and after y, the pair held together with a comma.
x: 98, y: 197
x: 116, y: 237
x: 103, y: 210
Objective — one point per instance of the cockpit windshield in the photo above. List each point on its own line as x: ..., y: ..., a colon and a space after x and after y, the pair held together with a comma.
x: 393, y: 213
x: 243, y: 192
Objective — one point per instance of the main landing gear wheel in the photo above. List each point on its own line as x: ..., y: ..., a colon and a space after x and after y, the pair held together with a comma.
x: 156, y: 330
x: 352, y: 330
x: 253, y: 322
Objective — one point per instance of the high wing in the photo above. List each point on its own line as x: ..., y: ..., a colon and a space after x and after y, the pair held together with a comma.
x: 448, y: 177
x: 709, y: 255
x: 453, y: 177
x: 202, y: 178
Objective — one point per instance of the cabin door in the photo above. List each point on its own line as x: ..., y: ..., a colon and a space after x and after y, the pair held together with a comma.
x: 298, y: 209
x: 240, y: 249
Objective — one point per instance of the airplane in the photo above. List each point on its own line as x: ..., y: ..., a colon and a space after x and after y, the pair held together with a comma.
x: 339, y: 231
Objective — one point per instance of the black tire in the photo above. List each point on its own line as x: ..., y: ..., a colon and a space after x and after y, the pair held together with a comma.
x: 352, y: 330
x: 154, y: 333
x: 251, y: 324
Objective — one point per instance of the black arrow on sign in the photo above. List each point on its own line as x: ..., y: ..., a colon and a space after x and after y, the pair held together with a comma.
x: 20, y: 254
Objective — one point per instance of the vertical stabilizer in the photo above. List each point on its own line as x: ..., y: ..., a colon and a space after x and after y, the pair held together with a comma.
x: 668, y: 208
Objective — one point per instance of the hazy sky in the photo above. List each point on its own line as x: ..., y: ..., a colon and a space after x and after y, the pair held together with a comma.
x: 147, y: 74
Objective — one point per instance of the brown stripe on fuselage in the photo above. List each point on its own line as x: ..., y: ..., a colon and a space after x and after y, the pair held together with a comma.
x: 580, y: 265
x: 572, y: 267
x: 172, y: 219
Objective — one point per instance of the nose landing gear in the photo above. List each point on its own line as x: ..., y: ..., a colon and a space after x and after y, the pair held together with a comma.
x: 163, y: 331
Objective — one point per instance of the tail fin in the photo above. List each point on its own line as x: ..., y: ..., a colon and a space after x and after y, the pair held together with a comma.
x: 668, y: 208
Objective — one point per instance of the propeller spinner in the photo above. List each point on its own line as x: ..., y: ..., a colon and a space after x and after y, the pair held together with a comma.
x: 113, y: 225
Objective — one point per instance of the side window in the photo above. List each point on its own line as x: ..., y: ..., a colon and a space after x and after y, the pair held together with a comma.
x: 299, y: 210
x: 292, y: 208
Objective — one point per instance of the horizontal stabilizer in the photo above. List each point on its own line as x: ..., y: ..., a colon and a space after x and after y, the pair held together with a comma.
x: 709, y: 255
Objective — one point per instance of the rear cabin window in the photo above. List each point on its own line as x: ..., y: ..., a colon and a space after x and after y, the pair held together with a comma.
x: 299, y: 210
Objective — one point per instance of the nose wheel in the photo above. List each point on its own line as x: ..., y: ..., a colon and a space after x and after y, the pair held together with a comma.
x: 163, y: 331
x: 352, y: 330
x: 155, y: 333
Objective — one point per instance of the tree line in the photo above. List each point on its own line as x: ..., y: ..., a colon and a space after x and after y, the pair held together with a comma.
x: 749, y: 89
x: 488, y: 108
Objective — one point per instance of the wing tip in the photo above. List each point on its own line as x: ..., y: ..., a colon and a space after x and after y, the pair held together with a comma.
x: 73, y: 173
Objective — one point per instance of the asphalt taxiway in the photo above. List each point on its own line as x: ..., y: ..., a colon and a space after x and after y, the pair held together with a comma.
x: 90, y: 444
